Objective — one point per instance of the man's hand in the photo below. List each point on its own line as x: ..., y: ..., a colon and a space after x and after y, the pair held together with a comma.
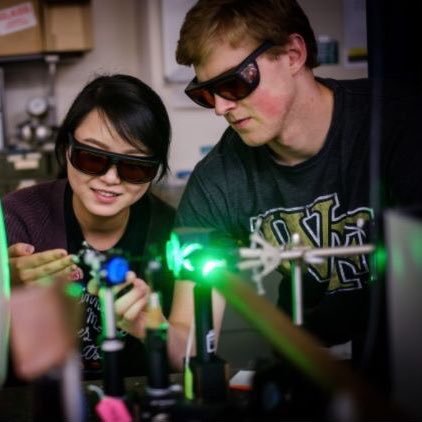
x: 27, y: 266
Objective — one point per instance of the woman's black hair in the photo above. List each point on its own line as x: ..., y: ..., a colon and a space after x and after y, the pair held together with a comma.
x: 135, y: 111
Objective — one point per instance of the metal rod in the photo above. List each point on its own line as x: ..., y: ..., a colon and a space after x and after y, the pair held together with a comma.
x: 52, y: 60
x: 307, y: 253
x: 107, y: 312
x: 297, y: 292
x: 74, y: 404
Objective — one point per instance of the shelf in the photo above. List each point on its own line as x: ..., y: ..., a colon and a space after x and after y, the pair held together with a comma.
x: 39, y: 57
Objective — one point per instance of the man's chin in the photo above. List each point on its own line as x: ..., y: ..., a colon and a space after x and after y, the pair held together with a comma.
x: 252, y: 142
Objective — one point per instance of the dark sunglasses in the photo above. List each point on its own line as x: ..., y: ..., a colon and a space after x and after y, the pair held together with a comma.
x: 233, y: 85
x: 97, y: 162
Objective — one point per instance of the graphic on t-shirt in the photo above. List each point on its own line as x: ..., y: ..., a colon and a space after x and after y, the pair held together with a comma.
x: 90, y: 333
x: 321, y: 225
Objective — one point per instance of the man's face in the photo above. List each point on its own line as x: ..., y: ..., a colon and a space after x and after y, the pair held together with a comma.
x: 262, y: 116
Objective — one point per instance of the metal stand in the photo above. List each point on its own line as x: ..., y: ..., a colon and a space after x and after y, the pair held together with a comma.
x: 52, y: 60
x: 263, y: 258
x: 111, y: 346
x: 108, y: 271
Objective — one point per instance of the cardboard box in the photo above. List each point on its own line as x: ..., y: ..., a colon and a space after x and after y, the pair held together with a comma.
x: 37, y: 26
x: 67, y: 27
x: 20, y: 27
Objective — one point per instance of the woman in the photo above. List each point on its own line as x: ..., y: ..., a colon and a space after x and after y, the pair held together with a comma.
x: 113, y: 142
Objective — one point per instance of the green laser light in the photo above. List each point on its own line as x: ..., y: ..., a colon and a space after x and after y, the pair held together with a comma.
x: 192, y: 256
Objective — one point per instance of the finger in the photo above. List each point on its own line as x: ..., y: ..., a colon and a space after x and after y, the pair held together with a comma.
x: 48, y: 279
x: 119, y: 290
x: 123, y: 303
x: 76, y: 275
x: 18, y: 263
x: 63, y: 266
x: 68, y: 274
x: 130, y: 277
x: 122, y: 289
x: 20, y: 249
x: 134, y: 321
x: 93, y: 287
x: 134, y: 311
x: 42, y: 258
x: 139, y: 293
x: 128, y: 327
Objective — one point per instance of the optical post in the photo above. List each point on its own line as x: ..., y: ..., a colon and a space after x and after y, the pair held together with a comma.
x: 109, y: 271
x: 209, y: 371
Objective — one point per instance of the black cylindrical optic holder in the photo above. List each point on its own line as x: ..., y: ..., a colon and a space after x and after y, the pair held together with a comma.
x: 158, y: 368
x: 111, y: 346
x: 113, y: 380
x: 205, y: 337
x: 209, y: 371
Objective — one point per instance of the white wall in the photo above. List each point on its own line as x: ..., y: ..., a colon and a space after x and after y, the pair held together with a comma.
x: 128, y: 38
x: 116, y: 50
x: 194, y: 127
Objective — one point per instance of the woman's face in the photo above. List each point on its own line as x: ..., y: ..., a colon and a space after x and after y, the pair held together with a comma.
x: 106, y: 195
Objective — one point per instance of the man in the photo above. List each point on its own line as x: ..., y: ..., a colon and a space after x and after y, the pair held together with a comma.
x: 295, y: 155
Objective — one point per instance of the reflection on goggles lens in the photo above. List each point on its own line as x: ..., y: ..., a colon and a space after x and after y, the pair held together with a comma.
x: 233, y: 85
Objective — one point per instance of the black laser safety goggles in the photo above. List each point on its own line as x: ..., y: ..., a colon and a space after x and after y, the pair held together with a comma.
x: 96, y: 162
x: 234, y: 85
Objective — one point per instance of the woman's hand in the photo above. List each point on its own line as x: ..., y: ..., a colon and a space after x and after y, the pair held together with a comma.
x: 27, y: 266
x: 131, y: 307
x: 131, y: 304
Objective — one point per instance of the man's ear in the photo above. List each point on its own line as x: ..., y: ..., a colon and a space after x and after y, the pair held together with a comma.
x: 297, y: 52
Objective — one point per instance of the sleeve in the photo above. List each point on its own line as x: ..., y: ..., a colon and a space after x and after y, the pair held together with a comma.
x: 195, y: 208
x: 214, y: 194
x: 203, y: 206
x: 16, y: 228
x: 35, y: 215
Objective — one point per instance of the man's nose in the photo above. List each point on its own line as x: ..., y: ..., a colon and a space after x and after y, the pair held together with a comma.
x: 222, y: 105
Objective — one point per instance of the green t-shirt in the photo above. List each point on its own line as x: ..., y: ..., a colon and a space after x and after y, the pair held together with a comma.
x: 324, y: 199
